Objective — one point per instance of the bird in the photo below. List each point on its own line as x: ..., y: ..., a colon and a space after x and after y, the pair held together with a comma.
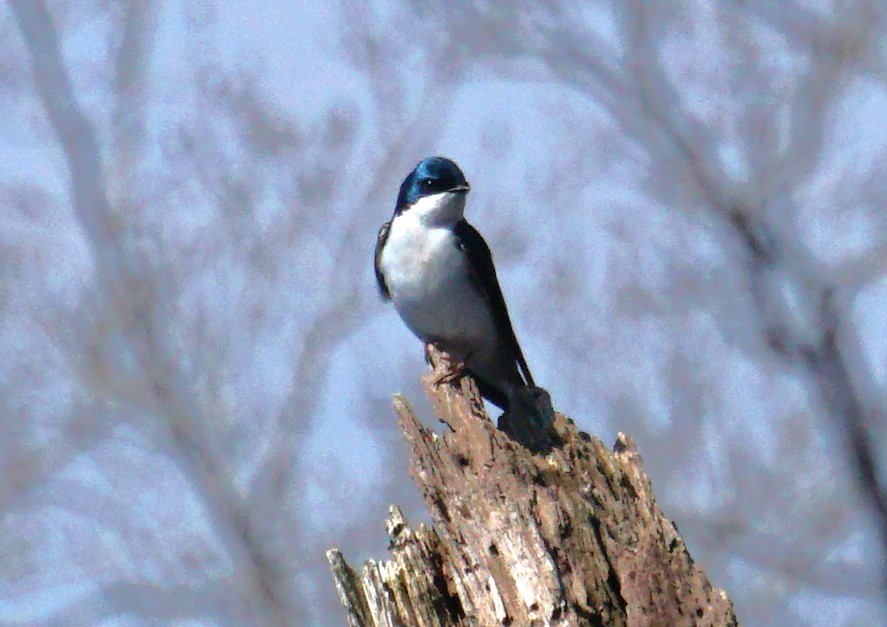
x: 438, y: 272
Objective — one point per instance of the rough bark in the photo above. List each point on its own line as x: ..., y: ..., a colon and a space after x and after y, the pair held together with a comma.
x: 571, y: 537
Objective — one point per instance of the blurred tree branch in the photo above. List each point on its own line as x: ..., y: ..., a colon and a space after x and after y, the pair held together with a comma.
x: 130, y: 88
x: 121, y: 277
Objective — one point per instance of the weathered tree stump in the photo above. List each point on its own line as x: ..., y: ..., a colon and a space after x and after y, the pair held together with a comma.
x: 571, y: 537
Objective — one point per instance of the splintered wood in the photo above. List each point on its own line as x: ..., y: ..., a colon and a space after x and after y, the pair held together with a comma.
x: 572, y: 537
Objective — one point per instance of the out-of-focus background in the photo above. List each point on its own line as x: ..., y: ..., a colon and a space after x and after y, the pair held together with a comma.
x: 687, y: 206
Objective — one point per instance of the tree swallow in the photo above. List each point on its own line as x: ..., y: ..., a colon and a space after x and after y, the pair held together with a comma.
x: 438, y: 271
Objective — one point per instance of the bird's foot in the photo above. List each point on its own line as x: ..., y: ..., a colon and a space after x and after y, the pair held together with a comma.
x: 428, y: 347
x: 454, y: 370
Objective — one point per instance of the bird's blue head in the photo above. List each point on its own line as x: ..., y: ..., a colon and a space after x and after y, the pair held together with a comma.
x: 436, y: 179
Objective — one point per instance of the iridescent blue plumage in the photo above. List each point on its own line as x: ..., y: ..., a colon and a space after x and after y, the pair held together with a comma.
x: 431, y: 176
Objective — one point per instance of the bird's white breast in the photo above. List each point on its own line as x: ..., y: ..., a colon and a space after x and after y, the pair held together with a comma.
x: 427, y: 275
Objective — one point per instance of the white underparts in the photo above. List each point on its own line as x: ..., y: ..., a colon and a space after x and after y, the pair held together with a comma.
x: 431, y: 286
x: 443, y: 209
x: 428, y: 277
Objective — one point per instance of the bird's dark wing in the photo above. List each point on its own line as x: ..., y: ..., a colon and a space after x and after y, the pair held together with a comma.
x: 484, y: 274
x: 380, y: 243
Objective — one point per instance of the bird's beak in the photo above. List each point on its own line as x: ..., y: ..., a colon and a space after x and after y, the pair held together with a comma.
x: 461, y: 189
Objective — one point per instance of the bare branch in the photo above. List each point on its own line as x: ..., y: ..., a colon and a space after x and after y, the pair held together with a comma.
x: 130, y: 88
x: 168, y: 391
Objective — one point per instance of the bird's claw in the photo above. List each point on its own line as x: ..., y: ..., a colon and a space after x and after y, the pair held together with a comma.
x: 454, y: 370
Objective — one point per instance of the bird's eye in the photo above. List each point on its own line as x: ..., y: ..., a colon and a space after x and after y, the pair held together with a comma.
x: 427, y: 182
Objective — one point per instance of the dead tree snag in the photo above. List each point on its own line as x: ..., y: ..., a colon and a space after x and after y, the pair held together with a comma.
x: 572, y: 537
